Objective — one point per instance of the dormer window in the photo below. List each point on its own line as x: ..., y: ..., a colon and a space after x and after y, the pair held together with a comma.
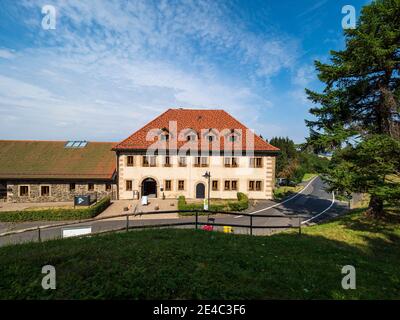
x: 188, y: 134
x: 165, y: 137
x: 232, y: 138
x: 210, y: 135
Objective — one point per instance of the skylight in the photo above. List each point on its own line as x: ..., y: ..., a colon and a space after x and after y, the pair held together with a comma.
x: 75, y: 144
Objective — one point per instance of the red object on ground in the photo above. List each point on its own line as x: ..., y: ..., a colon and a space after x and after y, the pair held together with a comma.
x: 208, y: 228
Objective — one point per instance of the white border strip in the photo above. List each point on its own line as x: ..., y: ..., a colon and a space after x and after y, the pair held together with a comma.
x: 316, y: 216
x: 279, y: 203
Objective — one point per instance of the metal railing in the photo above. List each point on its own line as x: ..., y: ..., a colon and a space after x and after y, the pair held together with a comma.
x: 196, y: 215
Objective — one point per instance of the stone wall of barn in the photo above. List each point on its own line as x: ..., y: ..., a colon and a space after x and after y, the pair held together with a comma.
x: 59, y: 191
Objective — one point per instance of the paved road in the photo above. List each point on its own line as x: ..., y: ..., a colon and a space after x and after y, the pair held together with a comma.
x: 312, y: 203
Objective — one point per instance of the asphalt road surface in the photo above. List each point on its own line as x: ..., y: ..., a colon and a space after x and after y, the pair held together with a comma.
x: 312, y: 205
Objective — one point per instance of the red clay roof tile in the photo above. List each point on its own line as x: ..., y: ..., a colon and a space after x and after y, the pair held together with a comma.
x: 198, y: 121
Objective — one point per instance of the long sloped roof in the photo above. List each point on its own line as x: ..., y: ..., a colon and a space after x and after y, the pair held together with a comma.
x: 196, y: 120
x: 51, y: 160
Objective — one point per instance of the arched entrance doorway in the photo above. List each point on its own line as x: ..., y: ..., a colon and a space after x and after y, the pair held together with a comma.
x: 200, y: 191
x: 149, y: 188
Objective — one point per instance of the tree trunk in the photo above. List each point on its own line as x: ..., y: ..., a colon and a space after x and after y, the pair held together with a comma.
x: 375, y: 207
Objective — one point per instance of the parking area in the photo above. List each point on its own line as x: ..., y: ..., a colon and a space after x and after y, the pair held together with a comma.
x: 118, y: 207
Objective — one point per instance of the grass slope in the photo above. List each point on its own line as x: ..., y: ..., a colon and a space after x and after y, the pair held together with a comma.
x: 184, y: 264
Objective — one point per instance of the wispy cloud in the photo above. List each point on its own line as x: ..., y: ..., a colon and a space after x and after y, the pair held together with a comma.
x: 313, y: 8
x: 110, y: 66
x: 6, y: 54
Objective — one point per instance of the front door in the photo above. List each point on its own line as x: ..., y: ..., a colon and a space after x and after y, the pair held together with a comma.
x: 149, y: 188
x: 200, y: 191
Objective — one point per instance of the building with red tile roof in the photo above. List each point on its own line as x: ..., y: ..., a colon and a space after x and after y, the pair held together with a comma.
x: 200, y: 123
x: 170, y: 155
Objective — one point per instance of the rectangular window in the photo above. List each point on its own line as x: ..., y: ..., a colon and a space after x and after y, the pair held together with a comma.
x: 108, y: 187
x: 181, y: 185
x: 168, y: 185
x: 167, y: 161
x: 24, y: 191
x: 215, y: 185
x: 149, y: 161
x: 234, y: 185
x: 256, y: 162
x: 91, y: 186
x: 255, y: 185
x: 251, y: 185
x: 129, y: 161
x: 182, y: 161
x: 227, y: 162
x: 128, y: 185
x: 44, y: 191
x: 72, y: 187
x: 230, y: 162
x: 234, y: 162
x: 227, y: 185
x: 201, y: 162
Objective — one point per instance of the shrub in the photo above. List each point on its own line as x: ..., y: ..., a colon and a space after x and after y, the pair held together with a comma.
x: 55, y: 214
x: 241, y: 204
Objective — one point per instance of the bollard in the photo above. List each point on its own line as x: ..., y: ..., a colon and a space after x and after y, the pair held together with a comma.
x: 127, y: 222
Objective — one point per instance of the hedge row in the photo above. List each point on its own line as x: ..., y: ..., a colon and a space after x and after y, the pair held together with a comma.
x: 241, y: 204
x: 55, y: 214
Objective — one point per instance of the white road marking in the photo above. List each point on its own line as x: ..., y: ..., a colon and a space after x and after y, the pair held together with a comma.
x: 331, y: 205
x: 278, y: 204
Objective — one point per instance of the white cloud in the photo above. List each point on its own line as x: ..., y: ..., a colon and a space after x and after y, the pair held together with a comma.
x: 111, y: 66
x: 304, y: 75
x: 6, y: 54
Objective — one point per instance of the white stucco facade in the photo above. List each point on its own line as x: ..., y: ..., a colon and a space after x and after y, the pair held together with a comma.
x: 132, y: 173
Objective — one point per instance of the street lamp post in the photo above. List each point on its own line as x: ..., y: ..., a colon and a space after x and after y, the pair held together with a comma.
x: 207, y: 175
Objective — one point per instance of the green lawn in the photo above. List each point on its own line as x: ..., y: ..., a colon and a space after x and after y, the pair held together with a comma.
x: 309, y: 176
x: 284, y: 191
x: 181, y: 264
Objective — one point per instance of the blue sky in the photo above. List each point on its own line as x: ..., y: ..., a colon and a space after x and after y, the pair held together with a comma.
x: 109, y: 67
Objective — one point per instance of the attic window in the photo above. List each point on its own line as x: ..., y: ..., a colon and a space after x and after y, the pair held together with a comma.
x: 165, y: 137
x: 76, y: 144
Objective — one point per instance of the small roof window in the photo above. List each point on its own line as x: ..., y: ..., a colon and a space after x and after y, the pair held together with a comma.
x: 75, y: 144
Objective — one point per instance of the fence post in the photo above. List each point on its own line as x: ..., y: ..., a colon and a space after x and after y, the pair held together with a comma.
x: 39, y: 235
x: 197, y: 220
x: 251, y: 225
x: 127, y: 222
x: 299, y: 226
